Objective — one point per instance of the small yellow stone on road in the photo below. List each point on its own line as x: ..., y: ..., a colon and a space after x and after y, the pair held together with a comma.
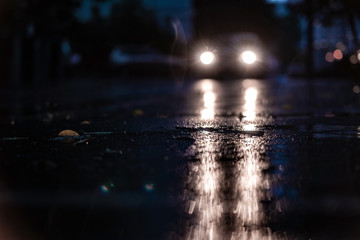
x: 68, y: 133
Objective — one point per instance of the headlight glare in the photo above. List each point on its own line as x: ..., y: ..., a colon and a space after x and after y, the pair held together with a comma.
x: 207, y: 58
x: 248, y: 57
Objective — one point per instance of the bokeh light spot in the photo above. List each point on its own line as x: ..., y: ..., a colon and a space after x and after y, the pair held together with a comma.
x: 356, y: 89
x: 329, y: 57
x: 104, y: 189
x: 353, y: 59
x: 338, y: 55
x: 341, y: 46
x: 149, y: 187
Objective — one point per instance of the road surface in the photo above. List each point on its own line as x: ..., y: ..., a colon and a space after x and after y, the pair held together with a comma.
x: 277, y: 158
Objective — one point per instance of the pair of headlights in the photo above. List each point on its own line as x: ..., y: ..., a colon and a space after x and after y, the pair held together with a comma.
x: 248, y: 57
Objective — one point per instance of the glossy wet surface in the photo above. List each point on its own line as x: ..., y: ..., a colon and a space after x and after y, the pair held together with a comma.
x: 202, y: 159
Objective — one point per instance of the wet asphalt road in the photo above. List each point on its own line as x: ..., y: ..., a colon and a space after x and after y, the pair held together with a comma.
x: 197, y: 159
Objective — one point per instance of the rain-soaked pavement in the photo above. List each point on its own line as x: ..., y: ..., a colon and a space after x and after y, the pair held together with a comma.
x: 201, y: 159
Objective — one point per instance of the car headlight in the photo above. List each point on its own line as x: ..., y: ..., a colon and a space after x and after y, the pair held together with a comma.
x: 248, y: 57
x: 207, y: 58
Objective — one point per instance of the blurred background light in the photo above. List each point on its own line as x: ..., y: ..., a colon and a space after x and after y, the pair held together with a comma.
x: 353, y: 59
x: 329, y: 57
x: 356, y: 89
x: 338, y: 55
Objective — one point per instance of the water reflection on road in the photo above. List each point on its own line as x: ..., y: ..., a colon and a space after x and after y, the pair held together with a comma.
x: 209, y: 97
x: 204, y: 180
x: 252, y: 188
x: 226, y: 185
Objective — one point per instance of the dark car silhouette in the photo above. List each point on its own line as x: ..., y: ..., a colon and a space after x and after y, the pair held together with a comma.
x: 239, y: 54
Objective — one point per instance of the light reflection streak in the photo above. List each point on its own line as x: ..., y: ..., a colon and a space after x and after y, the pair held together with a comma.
x: 251, y: 185
x: 209, y: 97
x: 205, y: 179
x: 213, y: 194
x: 206, y: 85
x: 249, y: 127
x: 250, y: 104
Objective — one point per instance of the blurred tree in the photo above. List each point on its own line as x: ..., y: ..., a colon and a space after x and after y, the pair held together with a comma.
x: 349, y: 10
x: 131, y: 22
x: 51, y: 17
x: 287, y: 37
x: 7, y: 21
x: 7, y: 16
x: 32, y: 32
x: 214, y: 17
x: 309, y: 8
x: 352, y: 10
x: 327, y: 11
x: 51, y: 23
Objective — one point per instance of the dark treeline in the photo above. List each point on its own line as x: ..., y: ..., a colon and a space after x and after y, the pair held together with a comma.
x: 38, y: 37
x: 33, y: 34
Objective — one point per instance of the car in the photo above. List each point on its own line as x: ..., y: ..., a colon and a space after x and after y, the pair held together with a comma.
x: 237, y: 54
x: 139, y: 59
